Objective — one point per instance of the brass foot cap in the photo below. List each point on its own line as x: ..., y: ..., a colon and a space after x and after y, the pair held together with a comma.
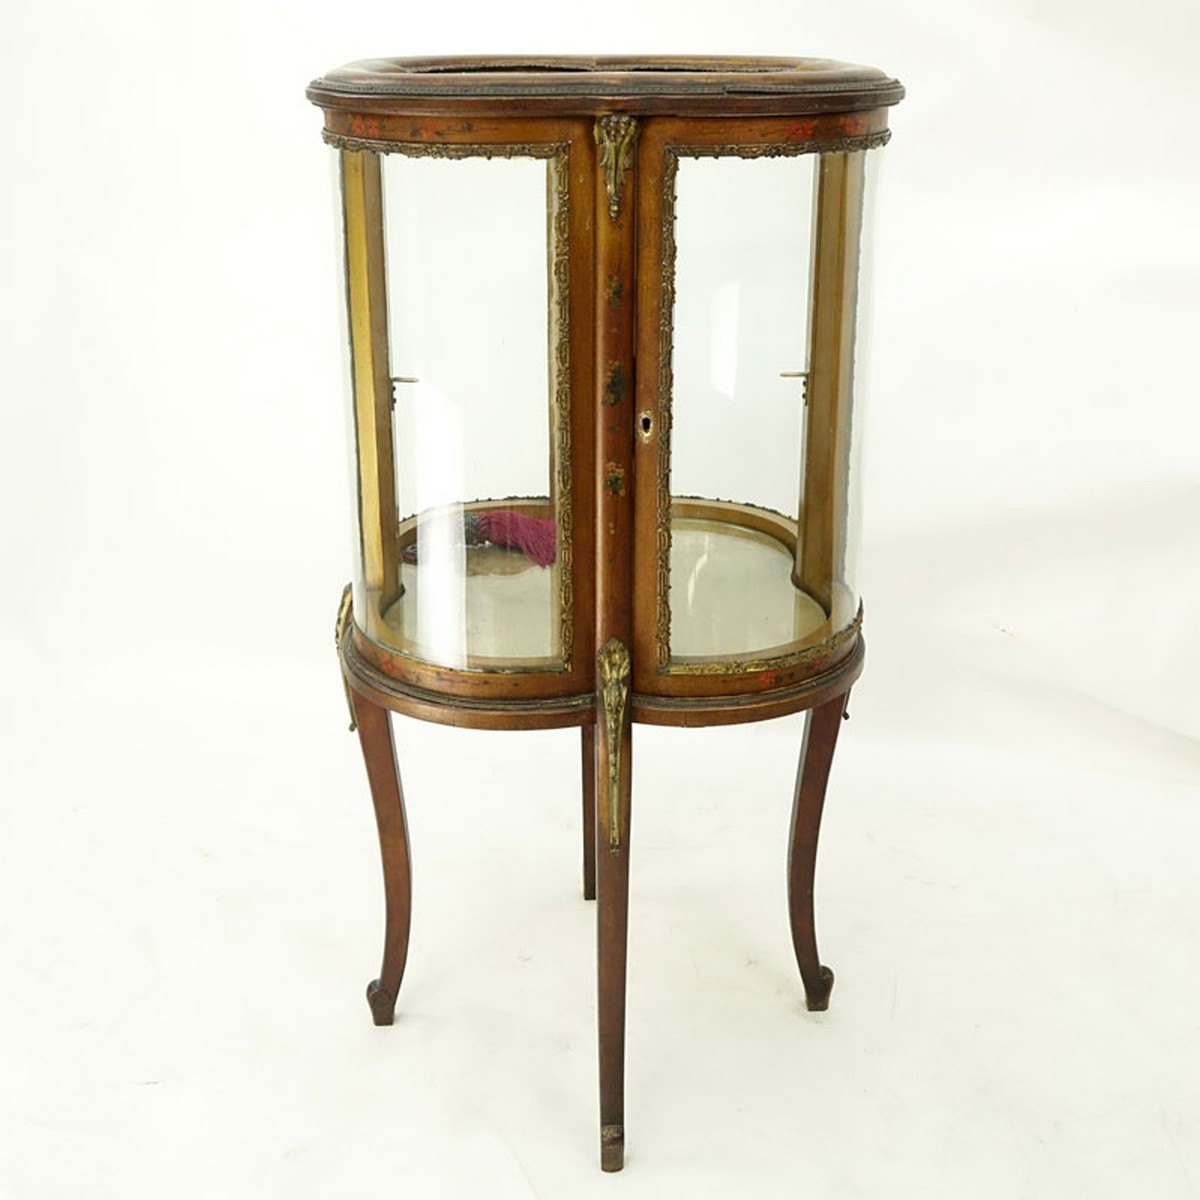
x: 612, y: 1147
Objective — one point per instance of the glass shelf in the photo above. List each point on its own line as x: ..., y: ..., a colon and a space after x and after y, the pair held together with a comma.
x: 493, y: 603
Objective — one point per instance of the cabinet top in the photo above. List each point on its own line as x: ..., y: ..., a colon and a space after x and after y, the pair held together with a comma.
x: 681, y: 85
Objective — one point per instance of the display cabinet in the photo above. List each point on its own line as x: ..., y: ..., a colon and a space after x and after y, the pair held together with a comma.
x: 605, y: 329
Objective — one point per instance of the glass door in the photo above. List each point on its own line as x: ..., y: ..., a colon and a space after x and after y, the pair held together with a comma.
x: 746, y: 388
x: 458, y: 268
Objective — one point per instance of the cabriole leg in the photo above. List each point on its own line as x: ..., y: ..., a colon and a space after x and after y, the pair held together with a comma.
x: 816, y: 756
x: 383, y: 772
x: 612, y: 929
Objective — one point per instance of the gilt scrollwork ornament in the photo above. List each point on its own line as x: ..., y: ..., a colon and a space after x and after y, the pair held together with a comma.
x: 451, y: 150
x: 616, y: 136
x: 560, y: 279
x: 612, y: 665
x: 666, y: 388
x: 848, y: 144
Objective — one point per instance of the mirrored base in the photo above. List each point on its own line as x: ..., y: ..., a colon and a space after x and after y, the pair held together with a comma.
x: 490, y: 603
x: 473, y: 606
x: 732, y: 592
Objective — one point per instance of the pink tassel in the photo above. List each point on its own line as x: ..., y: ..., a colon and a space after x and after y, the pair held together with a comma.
x: 534, y: 536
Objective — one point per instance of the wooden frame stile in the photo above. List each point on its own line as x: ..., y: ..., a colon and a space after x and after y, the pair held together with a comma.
x: 655, y: 303
x: 837, y: 223
x: 366, y: 290
x: 616, y: 137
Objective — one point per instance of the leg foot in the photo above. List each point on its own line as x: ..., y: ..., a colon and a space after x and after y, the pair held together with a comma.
x: 818, y: 1001
x: 382, y: 1002
x: 379, y: 754
x: 816, y: 758
x: 612, y: 1147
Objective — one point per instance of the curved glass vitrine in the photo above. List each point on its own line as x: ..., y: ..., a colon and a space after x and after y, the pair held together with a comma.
x: 604, y: 326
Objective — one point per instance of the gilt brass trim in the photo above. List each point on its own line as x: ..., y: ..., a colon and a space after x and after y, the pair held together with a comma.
x: 345, y: 615
x: 345, y: 618
x: 865, y: 141
x: 613, y: 668
x: 559, y: 200
x: 666, y: 386
x: 760, y: 664
x: 616, y: 136
x: 343, y: 141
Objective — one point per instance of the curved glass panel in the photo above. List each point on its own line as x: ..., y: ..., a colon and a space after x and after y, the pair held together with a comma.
x: 742, y: 231
x: 763, y: 488
x: 461, y: 511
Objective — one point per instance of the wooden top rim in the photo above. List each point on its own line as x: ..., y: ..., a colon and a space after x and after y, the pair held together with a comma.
x: 621, y: 78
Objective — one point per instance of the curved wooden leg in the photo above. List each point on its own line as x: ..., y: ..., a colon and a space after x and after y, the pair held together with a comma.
x: 816, y: 756
x: 589, y: 811
x: 613, y: 808
x: 383, y: 773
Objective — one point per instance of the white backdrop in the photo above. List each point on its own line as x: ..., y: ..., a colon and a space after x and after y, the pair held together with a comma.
x: 189, y: 895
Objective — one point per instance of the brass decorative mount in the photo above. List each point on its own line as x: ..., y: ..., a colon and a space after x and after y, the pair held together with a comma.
x: 616, y: 136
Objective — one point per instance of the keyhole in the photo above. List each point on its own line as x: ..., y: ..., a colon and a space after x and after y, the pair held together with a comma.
x: 647, y: 424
